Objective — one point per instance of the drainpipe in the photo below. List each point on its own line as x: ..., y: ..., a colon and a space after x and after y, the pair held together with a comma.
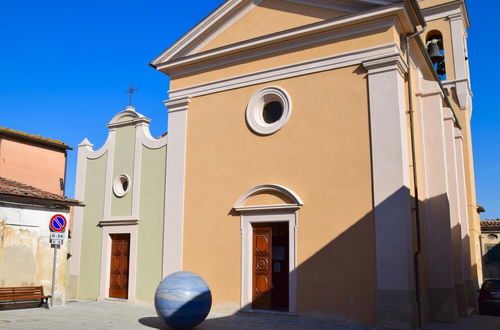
x: 414, y: 161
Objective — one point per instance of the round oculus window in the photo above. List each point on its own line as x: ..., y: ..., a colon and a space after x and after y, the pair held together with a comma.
x: 268, y: 110
x: 121, y: 185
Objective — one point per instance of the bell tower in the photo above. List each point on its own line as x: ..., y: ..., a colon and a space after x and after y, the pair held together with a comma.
x: 446, y: 41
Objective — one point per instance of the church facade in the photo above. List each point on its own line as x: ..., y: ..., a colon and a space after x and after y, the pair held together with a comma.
x: 318, y: 163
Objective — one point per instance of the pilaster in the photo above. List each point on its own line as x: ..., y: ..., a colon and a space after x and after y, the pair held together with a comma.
x: 175, y: 185
x: 464, y: 220
x: 76, y: 240
x: 453, y: 197
x: 459, y: 62
x: 395, y: 305
x: 440, y: 281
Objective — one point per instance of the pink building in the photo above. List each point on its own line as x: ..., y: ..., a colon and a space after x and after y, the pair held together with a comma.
x: 32, y: 176
x: 33, y: 159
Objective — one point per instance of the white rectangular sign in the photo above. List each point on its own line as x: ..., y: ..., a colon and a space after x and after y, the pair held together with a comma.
x: 56, y: 241
x: 56, y: 236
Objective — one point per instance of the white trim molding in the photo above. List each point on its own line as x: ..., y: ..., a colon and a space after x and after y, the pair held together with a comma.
x: 287, y: 192
x: 251, y: 50
x: 446, y: 9
x: 214, y: 31
x: 195, y: 37
x: 267, y: 214
x: 128, y: 112
x: 232, y: 10
x: 175, y: 185
x: 76, y: 241
x: 288, y: 71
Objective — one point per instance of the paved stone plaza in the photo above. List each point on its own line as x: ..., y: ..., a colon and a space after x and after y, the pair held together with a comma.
x: 111, y: 315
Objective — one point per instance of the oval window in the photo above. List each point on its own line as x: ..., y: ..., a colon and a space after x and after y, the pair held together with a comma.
x: 121, y: 185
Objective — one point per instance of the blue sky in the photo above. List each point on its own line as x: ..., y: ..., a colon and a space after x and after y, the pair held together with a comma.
x: 65, y: 66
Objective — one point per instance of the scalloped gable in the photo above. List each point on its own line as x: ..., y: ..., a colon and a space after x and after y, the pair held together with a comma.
x: 128, y: 117
x: 239, y: 20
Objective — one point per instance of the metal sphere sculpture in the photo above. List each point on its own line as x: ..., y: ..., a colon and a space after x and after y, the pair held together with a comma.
x: 183, y: 300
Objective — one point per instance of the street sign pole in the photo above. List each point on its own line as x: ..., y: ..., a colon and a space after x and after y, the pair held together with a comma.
x: 54, y: 276
x: 57, y: 225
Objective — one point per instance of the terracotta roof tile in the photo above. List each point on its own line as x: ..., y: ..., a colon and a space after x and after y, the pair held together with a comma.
x: 490, y: 224
x: 15, y: 189
x: 33, y: 137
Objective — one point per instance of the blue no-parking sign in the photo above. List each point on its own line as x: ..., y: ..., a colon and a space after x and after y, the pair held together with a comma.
x: 58, y: 223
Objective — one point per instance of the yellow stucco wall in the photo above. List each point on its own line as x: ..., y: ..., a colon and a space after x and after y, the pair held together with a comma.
x: 268, y: 17
x: 267, y: 198
x: 375, y: 38
x: 431, y: 3
x: 323, y: 154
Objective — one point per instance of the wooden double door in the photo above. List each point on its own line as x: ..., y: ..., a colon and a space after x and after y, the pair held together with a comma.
x: 270, y: 266
x: 120, y: 254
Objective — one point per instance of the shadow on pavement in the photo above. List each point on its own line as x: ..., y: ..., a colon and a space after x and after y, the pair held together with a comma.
x: 153, y: 322
x: 228, y: 322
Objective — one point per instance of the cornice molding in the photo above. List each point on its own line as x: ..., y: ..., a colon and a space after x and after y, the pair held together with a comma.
x: 455, y: 17
x: 199, y: 30
x: 274, y: 188
x: 394, y: 62
x: 232, y: 10
x: 446, y: 10
x: 267, y: 208
x: 288, y: 39
x: 118, y: 221
x: 302, y: 68
x: 179, y: 103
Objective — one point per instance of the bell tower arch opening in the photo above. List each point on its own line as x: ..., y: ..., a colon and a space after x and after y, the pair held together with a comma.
x: 435, y: 48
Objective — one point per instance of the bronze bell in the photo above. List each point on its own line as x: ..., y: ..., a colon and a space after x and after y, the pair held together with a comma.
x: 434, y: 51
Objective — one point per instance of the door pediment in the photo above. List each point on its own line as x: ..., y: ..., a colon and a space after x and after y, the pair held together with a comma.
x: 268, y: 196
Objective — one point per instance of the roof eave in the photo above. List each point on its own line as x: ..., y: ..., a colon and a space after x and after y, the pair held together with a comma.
x: 37, y: 201
x: 61, y: 146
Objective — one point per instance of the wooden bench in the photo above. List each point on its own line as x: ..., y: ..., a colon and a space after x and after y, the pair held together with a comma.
x: 23, y: 294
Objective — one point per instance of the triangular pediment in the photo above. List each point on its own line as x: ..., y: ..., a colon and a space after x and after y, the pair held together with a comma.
x: 236, y: 21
